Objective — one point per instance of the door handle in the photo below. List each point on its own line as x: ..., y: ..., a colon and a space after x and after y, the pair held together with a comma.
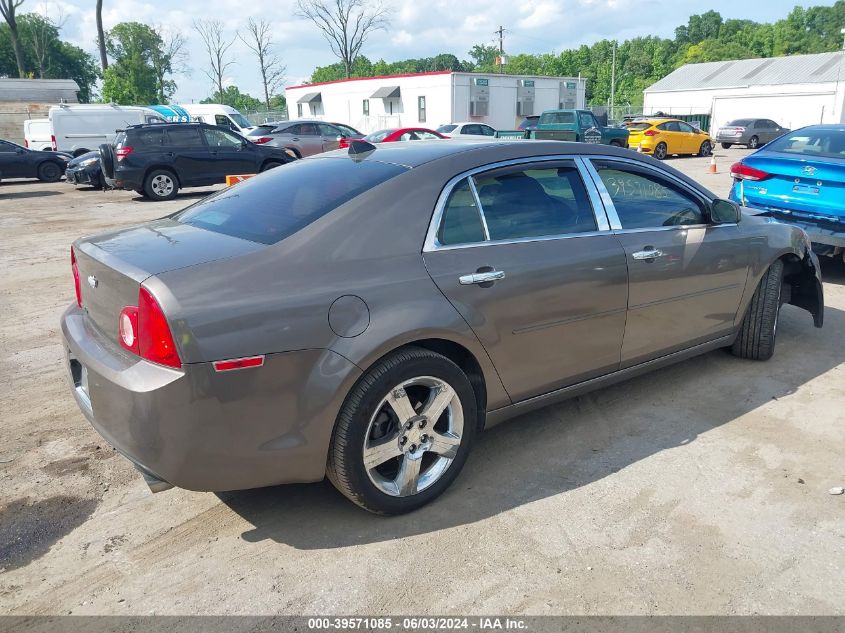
x: 649, y: 252
x: 481, y: 278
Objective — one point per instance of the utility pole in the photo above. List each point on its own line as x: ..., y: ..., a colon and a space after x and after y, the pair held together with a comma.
x: 501, y: 34
x: 613, y: 82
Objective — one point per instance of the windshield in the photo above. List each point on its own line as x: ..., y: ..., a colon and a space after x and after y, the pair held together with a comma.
x: 445, y: 129
x: 557, y: 117
x: 821, y: 142
x: 240, y: 119
x: 740, y: 123
x: 277, y: 204
x: 378, y: 137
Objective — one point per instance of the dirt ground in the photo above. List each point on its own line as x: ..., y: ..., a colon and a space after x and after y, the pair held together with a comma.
x: 698, y: 489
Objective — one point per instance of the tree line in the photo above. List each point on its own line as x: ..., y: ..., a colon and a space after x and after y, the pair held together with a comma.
x: 640, y: 61
x: 138, y: 62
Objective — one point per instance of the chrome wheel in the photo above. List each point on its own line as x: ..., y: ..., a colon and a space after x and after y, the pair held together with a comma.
x: 660, y: 151
x: 162, y: 185
x: 413, y: 436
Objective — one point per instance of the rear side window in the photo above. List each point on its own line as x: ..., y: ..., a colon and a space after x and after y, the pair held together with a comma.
x: 184, y: 136
x: 277, y: 204
x: 461, y: 222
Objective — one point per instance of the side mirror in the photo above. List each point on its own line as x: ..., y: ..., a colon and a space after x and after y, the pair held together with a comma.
x: 725, y: 212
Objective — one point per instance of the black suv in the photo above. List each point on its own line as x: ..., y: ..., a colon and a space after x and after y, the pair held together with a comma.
x: 158, y: 159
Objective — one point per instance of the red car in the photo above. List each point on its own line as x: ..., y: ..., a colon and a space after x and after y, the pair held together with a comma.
x: 403, y: 134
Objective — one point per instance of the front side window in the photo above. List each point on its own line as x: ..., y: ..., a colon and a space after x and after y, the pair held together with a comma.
x: 421, y: 109
x: 219, y: 138
x: 685, y: 127
x: 646, y: 200
x: 287, y: 199
x: 486, y: 130
x: 329, y: 130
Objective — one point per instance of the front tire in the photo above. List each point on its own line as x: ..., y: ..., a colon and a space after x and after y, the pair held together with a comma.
x: 404, y: 432
x: 660, y: 151
x: 706, y: 149
x: 757, y: 333
x: 49, y: 172
x: 270, y: 165
x: 161, y: 184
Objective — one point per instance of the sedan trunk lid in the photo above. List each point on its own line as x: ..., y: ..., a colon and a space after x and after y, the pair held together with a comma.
x: 113, y: 266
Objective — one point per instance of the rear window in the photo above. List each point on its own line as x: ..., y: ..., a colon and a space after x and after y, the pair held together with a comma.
x: 289, y: 198
x: 637, y: 127
x: 827, y: 143
x: 445, y: 129
x: 262, y: 130
x: 740, y: 123
x: 557, y: 117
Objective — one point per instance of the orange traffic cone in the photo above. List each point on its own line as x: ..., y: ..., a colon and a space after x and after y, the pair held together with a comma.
x: 712, y: 169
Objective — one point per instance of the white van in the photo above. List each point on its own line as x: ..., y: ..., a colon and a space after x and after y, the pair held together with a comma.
x: 36, y: 134
x: 77, y: 128
x: 219, y: 114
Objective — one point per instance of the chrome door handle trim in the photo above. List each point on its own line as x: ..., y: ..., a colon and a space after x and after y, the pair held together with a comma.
x: 481, y: 278
x: 649, y: 254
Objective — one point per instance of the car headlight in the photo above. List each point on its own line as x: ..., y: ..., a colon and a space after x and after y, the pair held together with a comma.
x: 290, y: 153
x: 88, y: 162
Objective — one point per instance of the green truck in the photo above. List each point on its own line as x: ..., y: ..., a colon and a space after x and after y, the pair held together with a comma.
x: 577, y: 125
x: 571, y: 125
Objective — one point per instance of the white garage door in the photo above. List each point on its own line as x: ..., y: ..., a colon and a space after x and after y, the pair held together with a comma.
x: 790, y: 111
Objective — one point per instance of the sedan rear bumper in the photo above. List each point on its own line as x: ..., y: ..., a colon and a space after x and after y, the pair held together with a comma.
x: 203, y: 430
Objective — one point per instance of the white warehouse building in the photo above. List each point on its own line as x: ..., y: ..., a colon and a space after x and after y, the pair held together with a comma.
x: 432, y: 99
x: 793, y: 91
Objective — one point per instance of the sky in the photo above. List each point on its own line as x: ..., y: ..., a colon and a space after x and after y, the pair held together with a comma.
x: 418, y: 28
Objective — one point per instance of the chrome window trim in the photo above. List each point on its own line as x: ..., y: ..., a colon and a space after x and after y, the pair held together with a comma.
x: 610, y: 208
x: 477, y: 198
x: 433, y: 244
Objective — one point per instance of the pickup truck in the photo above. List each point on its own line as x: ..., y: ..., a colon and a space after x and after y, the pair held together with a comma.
x: 577, y: 125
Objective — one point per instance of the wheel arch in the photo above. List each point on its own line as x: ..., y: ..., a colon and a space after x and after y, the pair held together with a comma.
x: 168, y: 168
x: 456, y: 352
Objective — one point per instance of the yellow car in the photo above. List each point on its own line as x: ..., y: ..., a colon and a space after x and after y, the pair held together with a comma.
x: 664, y: 137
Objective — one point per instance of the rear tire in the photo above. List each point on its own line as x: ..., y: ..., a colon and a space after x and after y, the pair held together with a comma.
x: 615, y: 143
x: 434, y: 449
x: 49, y: 171
x: 161, y: 184
x: 757, y: 333
x: 753, y: 142
x: 661, y: 151
x: 270, y: 165
x: 727, y: 145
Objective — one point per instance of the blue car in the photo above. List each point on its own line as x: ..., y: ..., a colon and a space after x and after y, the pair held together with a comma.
x: 799, y: 179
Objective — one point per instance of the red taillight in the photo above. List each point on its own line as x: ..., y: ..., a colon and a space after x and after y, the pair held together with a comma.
x: 742, y: 171
x: 238, y: 363
x: 143, y: 330
x: 262, y: 140
x: 342, y: 142
x: 75, y: 270
x: 650, y: 133
x: 53, y: 143
x: 123, y: 152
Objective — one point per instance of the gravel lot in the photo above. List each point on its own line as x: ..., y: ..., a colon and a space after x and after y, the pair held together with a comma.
x: 698, y: 489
